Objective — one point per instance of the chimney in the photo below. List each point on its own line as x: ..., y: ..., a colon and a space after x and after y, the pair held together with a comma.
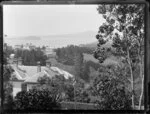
x: 38, y: 66
x: 48, y: 63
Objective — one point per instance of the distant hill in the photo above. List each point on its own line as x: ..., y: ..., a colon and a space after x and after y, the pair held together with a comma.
x: 24, y: 38
x: 32, y: 38
x: 57, y: 40
x: 84, y: 35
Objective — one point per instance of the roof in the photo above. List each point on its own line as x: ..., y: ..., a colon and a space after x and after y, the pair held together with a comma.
x: 50, y: 71
x: 62, y: 72
x: 34, y: 78
x: 20, y: 74
x: 30, y: 74
x: 46, y: 71
x: 30, y: 70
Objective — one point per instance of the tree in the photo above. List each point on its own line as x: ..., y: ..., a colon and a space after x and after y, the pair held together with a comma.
x: 7, y: 86
x: 77, y: 92
x: 69, y: 91
x: 124, y: 26
x: 63, y: 89
x: 8, y: 50
x: 93, y: 74
x: 55, y: 84
x: 66, y: 54
x: 86, y: 69
x: 82, y: 95
x: 35, y: 100
x: 85, y: 72
x: 110, y: 92
x: 30, y: 57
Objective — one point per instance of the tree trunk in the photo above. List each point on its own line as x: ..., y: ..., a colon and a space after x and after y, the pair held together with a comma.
x: 142, y: 91
x: 142, y: 79
x: 132, y: 86
x: 132, y: 79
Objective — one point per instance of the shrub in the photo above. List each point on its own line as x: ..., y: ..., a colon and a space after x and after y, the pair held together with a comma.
x: 111, y: 94
x: 35, y: 100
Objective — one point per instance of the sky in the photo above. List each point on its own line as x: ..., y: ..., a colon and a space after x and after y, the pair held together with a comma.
x: 40, y: 20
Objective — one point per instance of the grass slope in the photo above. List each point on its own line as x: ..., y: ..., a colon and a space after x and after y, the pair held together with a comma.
x: 89, y: 57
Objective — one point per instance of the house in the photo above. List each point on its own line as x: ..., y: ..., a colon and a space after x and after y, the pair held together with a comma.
x: 28, y: 75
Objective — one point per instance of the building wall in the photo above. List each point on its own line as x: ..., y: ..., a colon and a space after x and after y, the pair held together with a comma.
x: 30, y: 86
x: 16, y: 87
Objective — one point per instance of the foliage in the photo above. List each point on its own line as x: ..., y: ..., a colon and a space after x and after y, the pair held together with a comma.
x: 7, y: 86
x: 124, y: 26
x: 65, y: 89
x: 8, y: 50
x: 85, y: 72
x: 92, y: 75
x: 86, y: 69
x: 66, y: 54
x: 69, y: 93
x: 78, y: 63
x: 35, y: 100
x: 30, y: 57
x: 110, y: 92
x: 82, y: 95
x: 73, y: 55
x: 77, y: 92
x: 8, y: 102
x: 55, y: 84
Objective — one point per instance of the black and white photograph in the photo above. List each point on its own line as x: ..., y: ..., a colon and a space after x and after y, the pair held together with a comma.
x: 73, y: 57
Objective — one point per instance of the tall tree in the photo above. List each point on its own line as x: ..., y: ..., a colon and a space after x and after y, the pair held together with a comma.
x: 125, y: 27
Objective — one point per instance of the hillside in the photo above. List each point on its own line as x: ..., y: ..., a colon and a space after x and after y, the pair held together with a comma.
x: 111, y: 60
x: 89, y: 57
x: 67, y: 68
x: 94, y: 44
x: 78, y: 35
x: 90, y: 45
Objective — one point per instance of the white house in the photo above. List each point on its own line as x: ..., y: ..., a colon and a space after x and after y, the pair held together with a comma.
x: 28, y: 75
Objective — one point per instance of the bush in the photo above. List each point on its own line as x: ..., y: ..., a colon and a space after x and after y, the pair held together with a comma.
x: 35, y: 100
x: 111, y: 94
